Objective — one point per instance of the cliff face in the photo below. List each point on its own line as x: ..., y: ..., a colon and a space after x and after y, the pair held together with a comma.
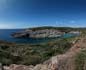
x: 60, y: 62
x: 38, y: 33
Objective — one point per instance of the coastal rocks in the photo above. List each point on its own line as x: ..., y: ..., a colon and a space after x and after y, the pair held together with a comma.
x: 43, y: 33
x: 38, y: 33
x: 20, y: 35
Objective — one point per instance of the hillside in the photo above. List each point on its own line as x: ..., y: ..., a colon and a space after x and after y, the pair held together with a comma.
x: 58, y: 54
x: 73, y: 59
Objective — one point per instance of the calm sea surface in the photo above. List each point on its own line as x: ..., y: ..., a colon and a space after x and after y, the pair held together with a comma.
x: 5, y: 34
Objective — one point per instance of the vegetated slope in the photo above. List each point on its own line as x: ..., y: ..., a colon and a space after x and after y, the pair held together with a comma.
x: 67, y: 61
x: 27, y: 54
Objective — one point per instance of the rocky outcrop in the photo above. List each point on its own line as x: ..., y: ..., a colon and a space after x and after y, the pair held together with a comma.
x: 38, y: 33
x: 42, y: 32
x: 18, y: 67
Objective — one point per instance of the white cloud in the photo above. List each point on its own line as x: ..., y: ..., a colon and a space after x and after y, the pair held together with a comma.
x: 73, y: 23
x: 69, y: 23
x: 60, y: 23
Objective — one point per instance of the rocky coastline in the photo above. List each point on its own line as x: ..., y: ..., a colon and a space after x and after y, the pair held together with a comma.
x: 44, y: 32
x: 38, y: 34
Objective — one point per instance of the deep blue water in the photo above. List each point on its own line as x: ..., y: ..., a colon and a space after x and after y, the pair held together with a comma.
x: 5, y: 34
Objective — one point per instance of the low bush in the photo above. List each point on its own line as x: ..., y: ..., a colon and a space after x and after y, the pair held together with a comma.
x: 32, y: 54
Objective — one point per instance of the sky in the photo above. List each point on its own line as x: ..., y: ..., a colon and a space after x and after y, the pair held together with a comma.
x: 36, y: 13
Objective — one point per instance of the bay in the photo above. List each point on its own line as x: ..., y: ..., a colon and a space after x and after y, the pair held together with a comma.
x: 5, y: 34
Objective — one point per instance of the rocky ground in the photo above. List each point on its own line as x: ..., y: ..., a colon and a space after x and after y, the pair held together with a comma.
x: 59, y: 62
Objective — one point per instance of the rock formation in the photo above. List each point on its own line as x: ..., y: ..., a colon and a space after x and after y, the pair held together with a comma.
x: 38, y: 33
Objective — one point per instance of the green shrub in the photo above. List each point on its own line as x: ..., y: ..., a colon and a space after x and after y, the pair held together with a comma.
x: 80, y: 60
x: 32, y: 54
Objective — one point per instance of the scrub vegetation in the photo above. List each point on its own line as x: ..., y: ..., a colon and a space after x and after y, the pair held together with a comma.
x: 27, y: 54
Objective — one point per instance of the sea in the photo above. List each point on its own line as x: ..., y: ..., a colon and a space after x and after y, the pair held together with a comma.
x: 5, y: 35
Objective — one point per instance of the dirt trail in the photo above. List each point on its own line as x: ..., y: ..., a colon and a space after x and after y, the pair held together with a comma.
x: 66, y: 61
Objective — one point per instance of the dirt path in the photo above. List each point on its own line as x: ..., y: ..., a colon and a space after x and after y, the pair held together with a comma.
x: 66, y: 61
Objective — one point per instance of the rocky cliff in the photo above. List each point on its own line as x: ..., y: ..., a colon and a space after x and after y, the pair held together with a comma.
x: 39, y: 33
x: 43, y: 32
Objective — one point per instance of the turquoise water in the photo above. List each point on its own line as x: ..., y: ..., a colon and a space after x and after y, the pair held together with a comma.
x: 5, y: 34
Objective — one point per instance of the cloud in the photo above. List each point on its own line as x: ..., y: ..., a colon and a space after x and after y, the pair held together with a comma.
x: 73, y: 23
x: 61, y: 23
x: 67, y: 23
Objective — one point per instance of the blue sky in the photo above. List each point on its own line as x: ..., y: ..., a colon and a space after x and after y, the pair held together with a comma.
x: 33, y: 13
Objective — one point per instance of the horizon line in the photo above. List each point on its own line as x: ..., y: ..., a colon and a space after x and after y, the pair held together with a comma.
x: 42, y: 26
